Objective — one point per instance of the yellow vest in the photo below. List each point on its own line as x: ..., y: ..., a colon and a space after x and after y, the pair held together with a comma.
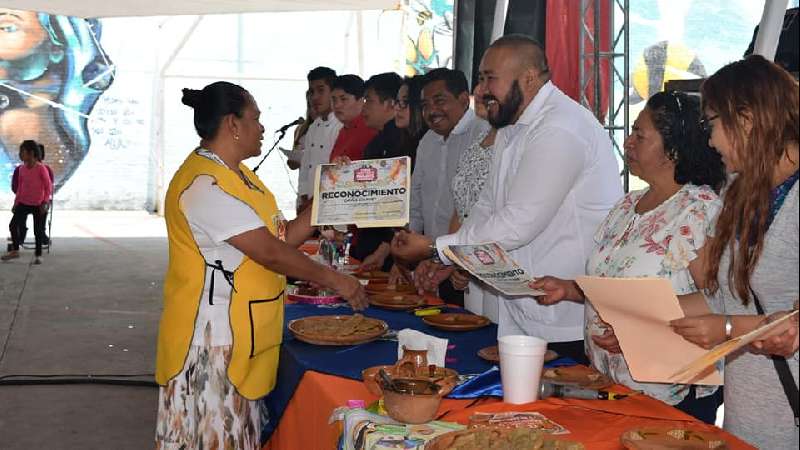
x: 256, y: 307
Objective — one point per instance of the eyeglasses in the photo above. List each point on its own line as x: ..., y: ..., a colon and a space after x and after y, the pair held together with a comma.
x: 680, y: 108
x: 401, y: 104
x: 705, y: 123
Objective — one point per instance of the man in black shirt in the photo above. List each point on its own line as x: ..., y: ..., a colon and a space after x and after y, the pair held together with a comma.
x: 371, y: 245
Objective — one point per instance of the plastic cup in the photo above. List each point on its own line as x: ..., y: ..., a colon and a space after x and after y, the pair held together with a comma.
x: 521, y: 362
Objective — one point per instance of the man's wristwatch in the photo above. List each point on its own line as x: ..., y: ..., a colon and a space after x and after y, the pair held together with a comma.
x: 435, y: 253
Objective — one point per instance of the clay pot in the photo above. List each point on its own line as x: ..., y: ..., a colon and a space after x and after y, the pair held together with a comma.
x: 417, y: 403
x: 412, y: 363
x: 447, y: 378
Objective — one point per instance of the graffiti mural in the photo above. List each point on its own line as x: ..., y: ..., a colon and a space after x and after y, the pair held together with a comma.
x: 674, y: 39
x: 429, y: 35
x: 52, y: 72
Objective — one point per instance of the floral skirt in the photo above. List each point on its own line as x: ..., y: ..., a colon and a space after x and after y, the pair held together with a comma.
x: 200, y: 408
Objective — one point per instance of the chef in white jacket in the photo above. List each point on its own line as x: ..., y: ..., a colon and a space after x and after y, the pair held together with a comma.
x: 554, y: 179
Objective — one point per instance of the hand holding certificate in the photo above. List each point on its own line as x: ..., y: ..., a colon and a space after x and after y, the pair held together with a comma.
x: 492, y: 265
x: 639, y: 310
x: 369, y: 193
x: 726, y: 348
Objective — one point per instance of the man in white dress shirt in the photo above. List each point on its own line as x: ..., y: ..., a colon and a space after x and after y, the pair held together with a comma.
x: 321, y: 135
x: 554, y: 179
x: 453, y: 128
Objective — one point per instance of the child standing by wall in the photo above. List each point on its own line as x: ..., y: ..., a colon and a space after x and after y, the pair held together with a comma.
x: 34, y: 189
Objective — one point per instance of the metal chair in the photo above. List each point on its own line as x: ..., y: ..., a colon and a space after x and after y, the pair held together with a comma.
x: 31, y: 244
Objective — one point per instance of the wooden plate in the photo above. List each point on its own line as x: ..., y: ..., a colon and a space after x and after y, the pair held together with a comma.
x: 337, y: 330
x: 579, y: 375
x: 399, y: 302
x: 492, y: 354
x: 384, y: 288
x: 374, y: 275
x: 456, y: 321
x: 480, y: 438
x: 671, y: 438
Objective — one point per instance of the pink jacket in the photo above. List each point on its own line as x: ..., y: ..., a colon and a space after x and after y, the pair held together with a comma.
x: 34, y: 186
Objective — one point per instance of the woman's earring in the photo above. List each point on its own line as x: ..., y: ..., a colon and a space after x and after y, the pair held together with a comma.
x: 235, y: 137
x: 672, y: 155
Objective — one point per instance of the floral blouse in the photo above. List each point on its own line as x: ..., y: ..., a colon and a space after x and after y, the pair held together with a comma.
x: 659, y: 243
x: 471, y: 174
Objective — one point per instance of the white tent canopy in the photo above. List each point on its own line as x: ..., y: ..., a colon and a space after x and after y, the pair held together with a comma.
x: 123, y: 8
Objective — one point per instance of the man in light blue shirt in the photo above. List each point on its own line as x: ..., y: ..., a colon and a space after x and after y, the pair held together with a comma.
x: 453, y: 128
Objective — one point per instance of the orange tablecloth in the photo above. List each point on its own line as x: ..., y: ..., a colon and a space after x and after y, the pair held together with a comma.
x: 597, y: 424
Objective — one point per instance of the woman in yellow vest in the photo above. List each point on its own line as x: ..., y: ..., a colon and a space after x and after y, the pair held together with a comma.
x: 229, y: 254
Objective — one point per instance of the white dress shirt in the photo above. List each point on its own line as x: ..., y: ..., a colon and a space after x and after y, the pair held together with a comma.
x: 436, y: 164
x: 553, y: 181
x: 317, y: 147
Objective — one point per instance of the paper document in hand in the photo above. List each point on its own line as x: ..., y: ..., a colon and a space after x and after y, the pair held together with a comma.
x: 292, y: 155
x: 639, y: 310
x: 492, y: 265
x: 691, y: 370
x: 369, y: 193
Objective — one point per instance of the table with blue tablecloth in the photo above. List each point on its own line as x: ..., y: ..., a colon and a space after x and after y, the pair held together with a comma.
x: 313, y: 380
x: 297, y: 357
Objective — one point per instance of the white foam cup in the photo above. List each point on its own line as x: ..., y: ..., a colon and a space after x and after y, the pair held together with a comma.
x: 521, y: 362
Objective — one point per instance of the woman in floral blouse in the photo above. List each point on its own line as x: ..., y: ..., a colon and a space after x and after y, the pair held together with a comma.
x: 471, y: 174
x: 658, y: 231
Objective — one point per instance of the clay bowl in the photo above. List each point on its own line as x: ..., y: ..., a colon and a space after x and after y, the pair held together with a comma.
x: 390, y: 289
x: 417, y: 403
x: 444, y: 377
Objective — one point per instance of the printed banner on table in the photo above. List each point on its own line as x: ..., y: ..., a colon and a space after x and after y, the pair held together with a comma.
x: 369, y: 193
x: 492, y: 265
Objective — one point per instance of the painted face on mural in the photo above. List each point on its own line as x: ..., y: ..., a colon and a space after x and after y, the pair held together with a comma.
x: 52, y: 72
x: 22, y: 44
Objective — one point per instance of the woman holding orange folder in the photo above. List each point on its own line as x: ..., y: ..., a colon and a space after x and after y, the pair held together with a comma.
x: 655, y: 232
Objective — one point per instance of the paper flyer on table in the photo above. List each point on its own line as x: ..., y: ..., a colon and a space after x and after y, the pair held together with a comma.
x: 639, y: 310
x: 720, y: 351
x: 492, y: 265
x: 368, y: 193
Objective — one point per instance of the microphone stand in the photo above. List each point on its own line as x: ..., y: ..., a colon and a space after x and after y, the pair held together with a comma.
x: 280, y: 138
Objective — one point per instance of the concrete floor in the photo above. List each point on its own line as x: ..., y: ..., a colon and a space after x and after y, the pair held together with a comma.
x: 91, y: 308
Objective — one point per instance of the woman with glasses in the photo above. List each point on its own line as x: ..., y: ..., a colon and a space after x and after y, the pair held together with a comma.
x: 408, y: 114
x: 659, y: 231
x: 751, y: 110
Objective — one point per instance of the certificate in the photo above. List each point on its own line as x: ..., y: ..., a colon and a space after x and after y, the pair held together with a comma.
x: 492, y: 265
x: 368, y: 193
x: 639, y: 310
